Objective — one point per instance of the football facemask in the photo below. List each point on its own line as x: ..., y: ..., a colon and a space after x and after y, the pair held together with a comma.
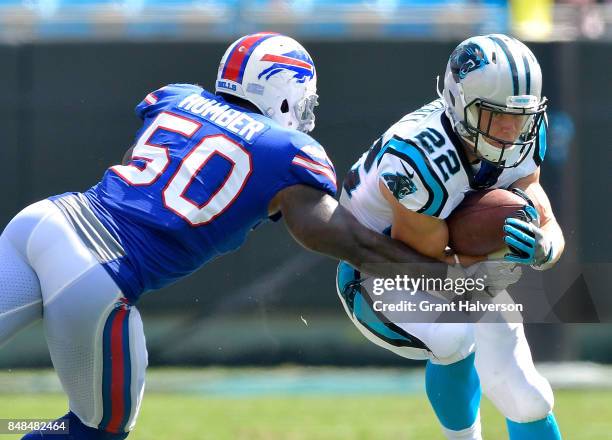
x: 503, y: 135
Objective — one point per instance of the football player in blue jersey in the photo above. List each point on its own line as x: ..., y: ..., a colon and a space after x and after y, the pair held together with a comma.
x: 204, y: 170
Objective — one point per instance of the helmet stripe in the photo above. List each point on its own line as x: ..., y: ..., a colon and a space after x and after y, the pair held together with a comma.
x: 237, y: 59
x: 231, y: 54
x: 527, y: 75
x: 510, y: 57
x: 287, y: 60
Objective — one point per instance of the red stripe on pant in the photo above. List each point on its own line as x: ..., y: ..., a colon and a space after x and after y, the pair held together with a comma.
x: 118, y: 374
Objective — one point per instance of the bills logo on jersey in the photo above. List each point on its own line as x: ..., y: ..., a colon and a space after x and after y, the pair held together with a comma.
x: 400, y: 185
x: 467, y: 58
x: 296, y: 61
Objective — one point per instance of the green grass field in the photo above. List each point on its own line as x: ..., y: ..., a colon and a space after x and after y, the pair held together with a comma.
x: 582, y: 415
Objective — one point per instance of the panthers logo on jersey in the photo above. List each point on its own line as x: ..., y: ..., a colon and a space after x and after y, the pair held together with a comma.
x: 467, y: 58
x: 400, y: 185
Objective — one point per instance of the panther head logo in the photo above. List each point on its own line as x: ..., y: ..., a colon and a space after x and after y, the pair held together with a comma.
x: 467, y: 58
x: 399, y: 184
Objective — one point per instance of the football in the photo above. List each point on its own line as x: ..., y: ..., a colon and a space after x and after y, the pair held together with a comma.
x: 476, y: 225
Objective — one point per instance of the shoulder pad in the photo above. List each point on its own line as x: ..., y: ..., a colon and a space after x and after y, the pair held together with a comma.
x: 154, y: 99
x: 310, y: 164
x: 306, y: 146
x: 407, y: 172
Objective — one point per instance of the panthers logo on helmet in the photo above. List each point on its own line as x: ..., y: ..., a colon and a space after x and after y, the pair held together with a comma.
x: 296, y: 61
x: 467, y: 58
x: 400, y: 185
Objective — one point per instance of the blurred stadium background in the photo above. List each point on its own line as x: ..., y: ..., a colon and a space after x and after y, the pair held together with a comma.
x: 73, y: 70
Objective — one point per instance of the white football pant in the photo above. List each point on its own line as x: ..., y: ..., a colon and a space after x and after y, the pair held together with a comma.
x: 95, y: 337
x: 503, y: 360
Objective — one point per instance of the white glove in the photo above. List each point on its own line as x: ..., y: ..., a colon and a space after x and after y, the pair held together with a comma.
x: 497, y: 275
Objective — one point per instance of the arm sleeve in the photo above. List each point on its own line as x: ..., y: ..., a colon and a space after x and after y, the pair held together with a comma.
x: 412, y: 180
x: 311, y: 166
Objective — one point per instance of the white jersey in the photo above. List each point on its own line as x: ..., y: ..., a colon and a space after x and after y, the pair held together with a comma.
x: 422, y: 162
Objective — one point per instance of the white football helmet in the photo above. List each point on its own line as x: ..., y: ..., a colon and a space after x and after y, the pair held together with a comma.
x: 488, y: 77
x: 274, y: 73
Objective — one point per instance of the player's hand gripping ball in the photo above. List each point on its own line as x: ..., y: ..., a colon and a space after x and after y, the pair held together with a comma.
x: 476, y: 226
x: 525, y: 239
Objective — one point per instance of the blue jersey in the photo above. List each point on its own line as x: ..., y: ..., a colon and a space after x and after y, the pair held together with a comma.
x: 202, y: 174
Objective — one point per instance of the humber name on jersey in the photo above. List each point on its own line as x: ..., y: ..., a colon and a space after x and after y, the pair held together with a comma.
x: 223, y: 116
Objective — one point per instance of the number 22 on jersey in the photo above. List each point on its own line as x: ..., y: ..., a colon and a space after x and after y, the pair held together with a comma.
x: 156, y: 159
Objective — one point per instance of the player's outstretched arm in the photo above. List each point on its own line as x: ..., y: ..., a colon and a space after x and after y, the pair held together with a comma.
x: 320, y: 224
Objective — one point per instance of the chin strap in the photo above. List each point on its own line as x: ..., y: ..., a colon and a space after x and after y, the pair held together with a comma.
x: 438, y: 87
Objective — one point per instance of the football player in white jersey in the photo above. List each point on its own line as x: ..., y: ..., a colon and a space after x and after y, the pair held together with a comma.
x: 487, y: 130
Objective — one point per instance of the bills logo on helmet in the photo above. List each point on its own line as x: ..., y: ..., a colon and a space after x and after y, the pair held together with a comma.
x: 296, y: 61
x: 467, y: 58
x: 226, y: 85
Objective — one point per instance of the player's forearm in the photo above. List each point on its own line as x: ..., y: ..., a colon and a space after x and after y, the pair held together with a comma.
x: 382, y: 256
x: 431, y: 241
x: 344, y: 238
x: 549, y: 224
x: 378, y: 254
x: 426, y: 234
x: 555, y: 235
x: 318, y: 223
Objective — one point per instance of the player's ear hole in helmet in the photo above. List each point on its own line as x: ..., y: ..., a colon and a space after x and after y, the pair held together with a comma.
x: 492, y: 94
x: 275, y: 74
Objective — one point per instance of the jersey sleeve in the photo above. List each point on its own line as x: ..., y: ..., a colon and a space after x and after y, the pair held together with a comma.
x: 408, y: 174
x: 311, y: 166
x: 155, y: 99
